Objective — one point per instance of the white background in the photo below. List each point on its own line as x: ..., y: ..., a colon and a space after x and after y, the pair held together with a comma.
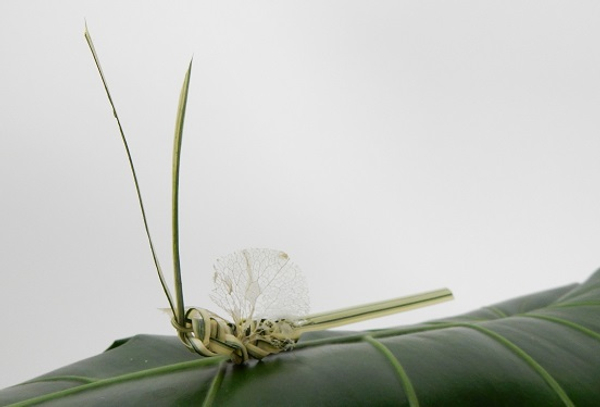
x: 389, y: 147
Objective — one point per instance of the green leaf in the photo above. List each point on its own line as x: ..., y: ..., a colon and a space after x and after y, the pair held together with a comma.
x: 538, y: 350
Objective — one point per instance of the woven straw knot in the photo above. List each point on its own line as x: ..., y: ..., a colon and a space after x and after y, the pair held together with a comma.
x: 210, y: 335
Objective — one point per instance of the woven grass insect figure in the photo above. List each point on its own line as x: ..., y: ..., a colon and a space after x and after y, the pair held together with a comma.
x: 262, y: 290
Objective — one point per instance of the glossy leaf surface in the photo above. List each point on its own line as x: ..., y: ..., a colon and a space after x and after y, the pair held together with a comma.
x: 540, y: 349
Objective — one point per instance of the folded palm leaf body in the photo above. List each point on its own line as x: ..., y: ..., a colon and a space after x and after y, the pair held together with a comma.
x: 538, y: 350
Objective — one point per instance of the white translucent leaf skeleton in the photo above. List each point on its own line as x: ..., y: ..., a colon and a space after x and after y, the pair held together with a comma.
x: 259, y: 282
x: 262, y: 290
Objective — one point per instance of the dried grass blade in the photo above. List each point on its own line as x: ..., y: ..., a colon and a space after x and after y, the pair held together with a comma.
x: 179, y: 314
x: 161, y: 277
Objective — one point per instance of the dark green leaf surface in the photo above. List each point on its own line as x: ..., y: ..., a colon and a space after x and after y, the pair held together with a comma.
x: 538, y: 350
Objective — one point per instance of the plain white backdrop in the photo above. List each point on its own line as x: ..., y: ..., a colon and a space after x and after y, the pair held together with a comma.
x: 388, y: 147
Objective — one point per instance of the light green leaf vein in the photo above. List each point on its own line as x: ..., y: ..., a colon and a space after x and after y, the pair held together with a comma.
x: 575, y: 304
x: 578, y: 291
x: 409, y: 390
x: 496, y: 311
x: 120, y: 379
x: 68, y: 378
x: 554, y: 385
x: 564, y: 322
x: 215, y: 385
